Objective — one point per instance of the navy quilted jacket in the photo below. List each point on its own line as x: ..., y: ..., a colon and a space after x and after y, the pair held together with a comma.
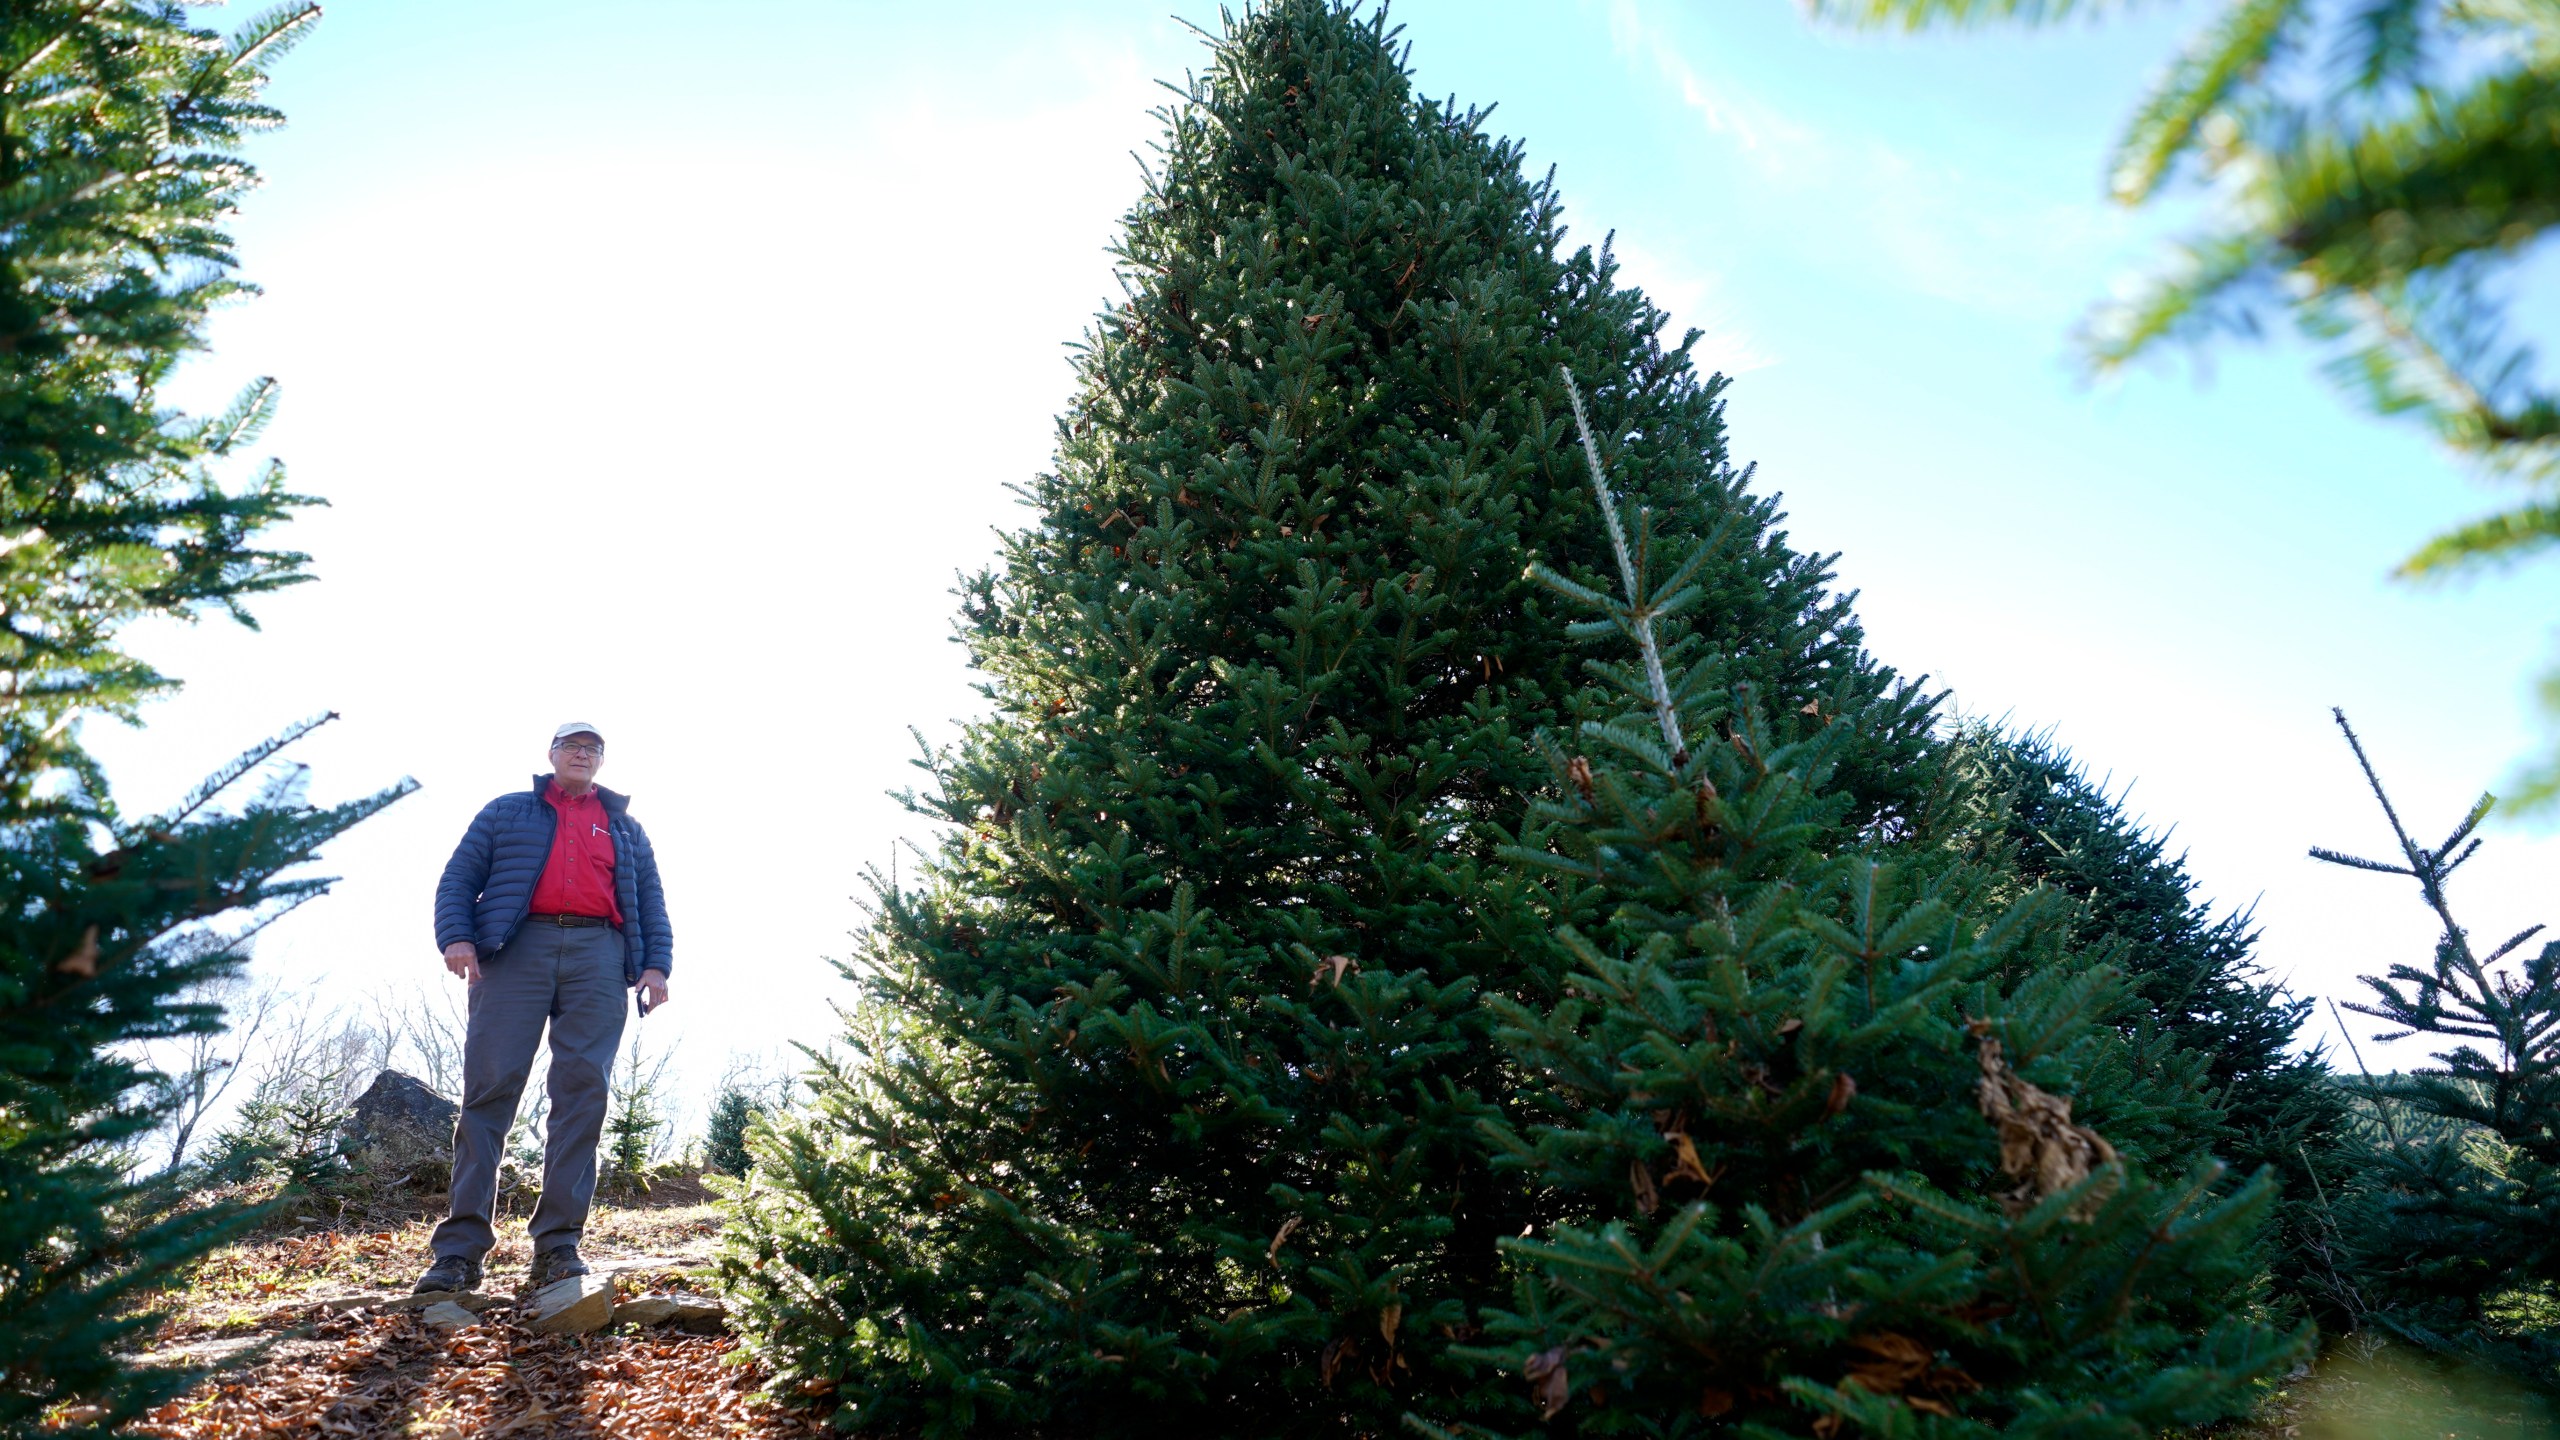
x: 489, y: 882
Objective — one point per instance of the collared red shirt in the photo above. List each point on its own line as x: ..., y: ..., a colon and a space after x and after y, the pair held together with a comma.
x: 578, y: 879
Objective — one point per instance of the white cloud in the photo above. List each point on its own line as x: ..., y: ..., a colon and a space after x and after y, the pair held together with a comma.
x: 1938, y: 228
x: 1695, y: 300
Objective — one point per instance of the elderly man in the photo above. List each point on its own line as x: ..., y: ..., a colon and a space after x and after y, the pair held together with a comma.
x: 550, y: 909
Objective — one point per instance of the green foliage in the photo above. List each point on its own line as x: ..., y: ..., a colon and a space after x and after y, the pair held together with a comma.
x: 115, y: 129
x: 635, y: 1122
x: 2374, y: 168
x: 104, y: 922
x: 290, y: 1131
x: 2195, y: 984
x: 1822, y: 1122
x: 1158, y: 1111
x: 725, y: 1139
x: 2455, y: 1214
x: 115, y: 125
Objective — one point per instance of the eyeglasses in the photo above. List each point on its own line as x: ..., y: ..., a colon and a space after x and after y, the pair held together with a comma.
x: 583, y: 752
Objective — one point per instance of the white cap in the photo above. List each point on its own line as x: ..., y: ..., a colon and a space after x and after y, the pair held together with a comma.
x: 576, y: 727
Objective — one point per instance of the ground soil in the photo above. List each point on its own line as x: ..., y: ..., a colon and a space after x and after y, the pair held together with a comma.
x: 270, y: 1316
x: 267, y: 1315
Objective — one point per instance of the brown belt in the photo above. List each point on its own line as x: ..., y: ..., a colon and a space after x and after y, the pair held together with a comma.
x: 568, y: 922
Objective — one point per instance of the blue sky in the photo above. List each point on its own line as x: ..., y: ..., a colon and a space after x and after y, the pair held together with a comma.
x: 662, y: 364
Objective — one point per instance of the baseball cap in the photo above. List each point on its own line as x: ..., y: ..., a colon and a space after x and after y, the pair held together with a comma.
x: 576, y: 727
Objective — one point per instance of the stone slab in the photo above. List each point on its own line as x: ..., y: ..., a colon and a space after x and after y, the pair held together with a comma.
x: 394, y: 1302
x: 573, y: 1306
x: 684, y: 1311
x: 445, y: 1315
x: 211, y: 1354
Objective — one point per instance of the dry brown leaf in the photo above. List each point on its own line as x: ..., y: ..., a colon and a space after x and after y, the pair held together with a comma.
x: 1336, y: 1351
x: 83, y: 959
x: 2040, y: 1147
x: 1336, y: 963
x: 1578, y: 770
x: 1388, y: 1319
x: 1713, y: 1402
x: 1640, y: 1180
x: 1843, y: 1090
x: 1548, y: 1383
x: 1892, y: 1361
x: 1685, y: 1166
x: 1286, y: 1226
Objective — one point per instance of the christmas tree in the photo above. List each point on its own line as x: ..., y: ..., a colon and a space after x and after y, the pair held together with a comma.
x: 1825, y: 1118
x: 1160, y: 1105
x: 114, y: 174
x: 2197, y: 987
x: 2454, y: 1212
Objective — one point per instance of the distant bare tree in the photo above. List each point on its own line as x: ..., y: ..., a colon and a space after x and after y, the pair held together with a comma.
x: 208, y: 1062
x: 423, y: 1025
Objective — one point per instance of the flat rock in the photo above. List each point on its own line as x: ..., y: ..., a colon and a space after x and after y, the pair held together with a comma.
x: 211, y: 1354
x: 695, y: 1313
x: 393, y: 1302
x: 573, y: 1306
x: 628, y: 1264
x: 445, y: 1315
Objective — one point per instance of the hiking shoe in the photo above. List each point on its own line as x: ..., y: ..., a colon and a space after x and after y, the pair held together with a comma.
x: 450, y: 1273
x: 557, y: 1263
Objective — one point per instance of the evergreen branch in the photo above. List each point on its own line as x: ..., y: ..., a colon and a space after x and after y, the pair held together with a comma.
x: 2503, y: 951
x: 1639, y: 617
x: 269, y: 35
x: 2178, y: 302
x: 2386, y: 41
x: 248, y: 415
x: 2336, y: 858
x: 71, y: 25
x: 239, y: 767
x: 2458, y: 405
x: 2373, y: 782
x: 2233, y: 51
x: 1921, y: 14
x: 2500, y: 539
x: 2479, y: 811
x: 2372, y: 1090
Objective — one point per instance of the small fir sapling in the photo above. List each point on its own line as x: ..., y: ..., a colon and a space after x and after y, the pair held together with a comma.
x: 725, y: 1138
x: 2454, y: 1217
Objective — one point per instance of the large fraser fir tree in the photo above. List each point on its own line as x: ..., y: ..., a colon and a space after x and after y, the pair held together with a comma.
x: 1161, y: 1111
x: 1827, y: 1115
x: 115, y: 123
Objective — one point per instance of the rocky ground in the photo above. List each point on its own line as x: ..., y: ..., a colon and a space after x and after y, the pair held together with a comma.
x: 310, y: 1330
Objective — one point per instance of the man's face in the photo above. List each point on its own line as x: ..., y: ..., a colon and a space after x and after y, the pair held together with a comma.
x: 576, y: 758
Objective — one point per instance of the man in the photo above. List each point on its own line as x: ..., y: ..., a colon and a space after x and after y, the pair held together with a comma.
x: 550, y: 909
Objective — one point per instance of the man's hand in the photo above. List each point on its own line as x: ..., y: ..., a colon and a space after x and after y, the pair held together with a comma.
x: 463, y: 959
x: 653, y: 988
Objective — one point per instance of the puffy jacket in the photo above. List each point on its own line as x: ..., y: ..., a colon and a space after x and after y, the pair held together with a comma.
x: 488, y: 884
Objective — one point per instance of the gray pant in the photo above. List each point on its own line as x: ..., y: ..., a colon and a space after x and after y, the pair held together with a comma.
x: 570, y: 979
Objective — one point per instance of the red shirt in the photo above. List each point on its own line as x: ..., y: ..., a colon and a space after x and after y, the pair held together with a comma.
x: 578, y: 880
